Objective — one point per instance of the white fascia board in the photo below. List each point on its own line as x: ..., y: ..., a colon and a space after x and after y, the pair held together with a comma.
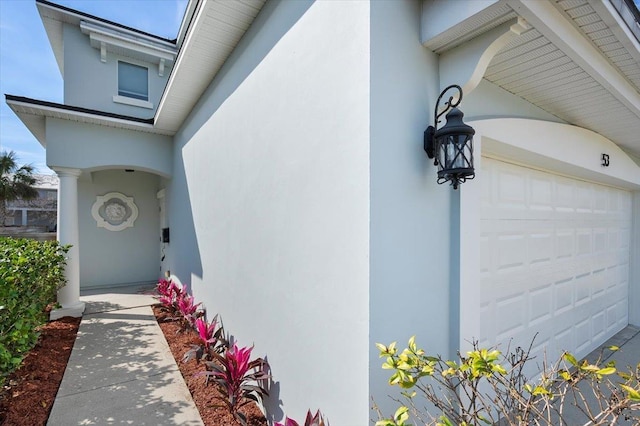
x: 553, y: 25
x: 439, y: 16
x: 188, y: 41
x: 53, y: 112
x: 186, y: 19
x: 100, y: 34
x: 106, y: 28
x: 534, y: 143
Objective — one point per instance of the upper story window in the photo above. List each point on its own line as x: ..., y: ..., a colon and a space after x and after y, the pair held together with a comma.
x: 133, y: 81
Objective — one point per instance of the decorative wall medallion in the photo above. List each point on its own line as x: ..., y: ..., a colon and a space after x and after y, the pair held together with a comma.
x: 114, y: 211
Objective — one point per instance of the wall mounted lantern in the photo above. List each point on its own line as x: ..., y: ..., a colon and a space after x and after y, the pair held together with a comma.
x: 452, y: 144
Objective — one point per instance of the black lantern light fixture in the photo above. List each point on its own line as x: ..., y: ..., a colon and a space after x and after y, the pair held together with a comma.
x: 452, y: 144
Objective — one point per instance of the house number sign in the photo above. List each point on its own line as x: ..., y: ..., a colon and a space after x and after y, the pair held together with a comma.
x: 114, y: 211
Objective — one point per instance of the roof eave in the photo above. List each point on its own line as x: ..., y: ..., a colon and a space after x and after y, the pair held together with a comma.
x: 33, y: 113
x: 194, y: 69
x: 53, y: 16
x: 617, y: 113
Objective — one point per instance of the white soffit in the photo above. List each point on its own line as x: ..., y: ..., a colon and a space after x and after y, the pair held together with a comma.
x: 53, y: 27
x: 34, y: 114
x: 576, y: 63
x: 216, y: 29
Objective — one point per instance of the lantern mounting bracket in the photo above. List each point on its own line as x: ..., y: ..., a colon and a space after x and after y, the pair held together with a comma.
x: 429, y: 134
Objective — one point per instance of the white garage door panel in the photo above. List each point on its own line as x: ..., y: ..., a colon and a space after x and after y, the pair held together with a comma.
x: 554, y: 259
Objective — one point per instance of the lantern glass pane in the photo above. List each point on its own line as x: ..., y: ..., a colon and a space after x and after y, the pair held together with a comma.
x: 442, y: 154
x: 468, y: 152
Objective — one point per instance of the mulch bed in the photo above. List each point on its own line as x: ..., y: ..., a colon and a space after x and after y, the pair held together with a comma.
x: 28, y: 395
x: 207, y: 398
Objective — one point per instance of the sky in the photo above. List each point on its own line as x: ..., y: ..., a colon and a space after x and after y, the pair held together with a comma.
x: 28, y: 66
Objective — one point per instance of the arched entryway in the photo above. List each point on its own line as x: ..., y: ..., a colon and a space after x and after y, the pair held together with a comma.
x: 119, y: 223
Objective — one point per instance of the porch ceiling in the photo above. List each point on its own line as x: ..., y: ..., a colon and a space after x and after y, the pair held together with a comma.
x: 578, y: 61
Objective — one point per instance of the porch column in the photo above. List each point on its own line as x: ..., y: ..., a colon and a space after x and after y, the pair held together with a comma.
x: 69, y: 295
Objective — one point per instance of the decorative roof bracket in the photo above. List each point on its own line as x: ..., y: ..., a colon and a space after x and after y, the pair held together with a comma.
x: 466, y: 64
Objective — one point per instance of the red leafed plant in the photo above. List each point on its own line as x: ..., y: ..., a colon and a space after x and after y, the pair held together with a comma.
x: 163, y: 286
x: 212, y: 340
x: 169, y: 292
x: 207, y: 332
x: 188, y: 309
x: 238, y: 378
x: 180, y: 305
x: 311, y: 420
x: 287, y: 422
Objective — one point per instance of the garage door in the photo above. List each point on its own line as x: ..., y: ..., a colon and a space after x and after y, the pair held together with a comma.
x: 554, y: 260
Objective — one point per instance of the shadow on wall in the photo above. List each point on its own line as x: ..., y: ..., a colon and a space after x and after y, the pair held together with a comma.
x: 252, y: 49
x: 273, y: 404
x: 185, y: 250
x: 265, y: 32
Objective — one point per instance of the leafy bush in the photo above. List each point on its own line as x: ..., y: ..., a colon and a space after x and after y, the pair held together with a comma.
x: 476, y: 389
x: 238, y: 378
x: 31, y: 272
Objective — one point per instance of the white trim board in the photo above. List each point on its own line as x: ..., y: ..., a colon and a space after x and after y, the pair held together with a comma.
x: 558, y: 148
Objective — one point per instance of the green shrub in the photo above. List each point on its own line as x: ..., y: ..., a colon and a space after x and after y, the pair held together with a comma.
x: 31, y: 272
x: 487, y: 387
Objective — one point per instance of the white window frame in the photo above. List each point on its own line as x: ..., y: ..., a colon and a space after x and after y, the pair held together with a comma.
x: 129, y: 100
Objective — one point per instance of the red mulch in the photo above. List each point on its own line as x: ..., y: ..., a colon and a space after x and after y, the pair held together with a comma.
x: 28, y: 395
x: 207, y: 398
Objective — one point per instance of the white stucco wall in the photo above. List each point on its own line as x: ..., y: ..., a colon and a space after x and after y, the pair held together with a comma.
x: 132, y: 255
x: 90, y: 83
x: 410, y: 212
x: 270, y: 203
x: 87, y: 146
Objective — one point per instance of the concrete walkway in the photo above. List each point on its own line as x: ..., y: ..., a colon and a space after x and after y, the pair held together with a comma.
x: 121, y: 371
